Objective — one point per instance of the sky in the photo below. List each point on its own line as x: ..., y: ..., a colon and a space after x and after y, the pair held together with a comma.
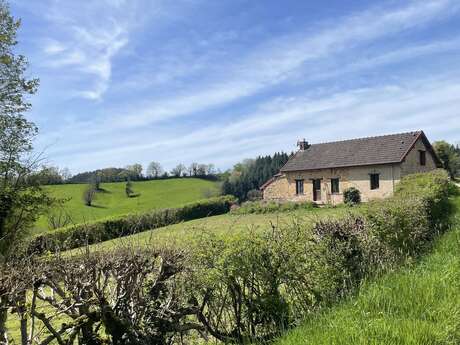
x: 134, y: 81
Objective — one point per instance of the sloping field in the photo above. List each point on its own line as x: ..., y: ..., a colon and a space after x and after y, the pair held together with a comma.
x: 112, y: 200
x: 418, y: 305
x: 179, y: 235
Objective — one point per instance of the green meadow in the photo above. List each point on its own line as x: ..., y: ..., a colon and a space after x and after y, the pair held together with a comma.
x: 112, y: 199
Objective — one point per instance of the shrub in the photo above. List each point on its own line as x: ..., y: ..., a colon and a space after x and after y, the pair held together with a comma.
x: 254, y: 195
x: 262, y: 207
x: 82, y: 234
x: 351, y: 196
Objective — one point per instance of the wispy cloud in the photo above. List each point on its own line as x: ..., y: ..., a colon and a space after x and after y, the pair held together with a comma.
x: 85, y: 47
x: 280, y: 59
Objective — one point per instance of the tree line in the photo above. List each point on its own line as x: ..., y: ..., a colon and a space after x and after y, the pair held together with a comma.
x: 52, y: 175
x: 246, y: 177
x: 449, y: 155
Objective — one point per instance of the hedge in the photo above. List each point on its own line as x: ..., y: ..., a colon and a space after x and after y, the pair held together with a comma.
x: 75, y: 236
x: 262, y: 207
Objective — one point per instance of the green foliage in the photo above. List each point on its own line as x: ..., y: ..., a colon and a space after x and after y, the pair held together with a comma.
x: 21, y: 202
x: 254, y: 195
x: 449, y: 156
x: 251, y: 174
x: 351, y: 196
x: 103, y: 230
x: 263, y: 207
x: 417, y: 305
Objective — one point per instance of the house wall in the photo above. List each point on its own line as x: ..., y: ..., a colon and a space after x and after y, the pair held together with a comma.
x: 357, y: 177
x: 277, y: 190
x: 411, y: 163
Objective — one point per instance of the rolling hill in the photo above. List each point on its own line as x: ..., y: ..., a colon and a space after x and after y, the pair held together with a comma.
x: 112, y: 199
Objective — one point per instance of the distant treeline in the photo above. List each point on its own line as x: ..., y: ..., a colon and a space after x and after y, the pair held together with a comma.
x: 250, y: 174
x: 50, y: 175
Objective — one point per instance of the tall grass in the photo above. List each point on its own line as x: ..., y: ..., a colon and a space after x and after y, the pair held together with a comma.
x: 416, y: 305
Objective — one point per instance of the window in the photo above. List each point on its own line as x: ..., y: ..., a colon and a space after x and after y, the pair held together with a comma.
x: 335, y: 186
x: 422, y: 157
x: 299, y: 187
x: 375, y: 181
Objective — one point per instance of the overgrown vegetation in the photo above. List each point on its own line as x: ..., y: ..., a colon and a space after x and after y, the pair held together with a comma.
x: 449, y: 156
x: 415, y: 305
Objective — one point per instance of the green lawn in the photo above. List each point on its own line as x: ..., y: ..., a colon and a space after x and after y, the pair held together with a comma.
x: 417, y: 305
x: 113, y: 200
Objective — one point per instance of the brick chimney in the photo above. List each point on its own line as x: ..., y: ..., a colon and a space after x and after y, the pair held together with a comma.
x: 303, y: 144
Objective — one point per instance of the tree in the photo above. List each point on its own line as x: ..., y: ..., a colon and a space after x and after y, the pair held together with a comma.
x: 89, y: 194
x: 47, y: 175
x: 250, y: 174
x: 65, y: 174
x: 449, y: 156
x: 154, y: 170
x: 179, y: 170
x: 129, y: 188
x: 193, y: 169
x: 21, y: 203
x: 135, y: 169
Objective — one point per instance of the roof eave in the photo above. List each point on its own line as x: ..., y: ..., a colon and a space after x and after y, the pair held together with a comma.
x: 342, y: 166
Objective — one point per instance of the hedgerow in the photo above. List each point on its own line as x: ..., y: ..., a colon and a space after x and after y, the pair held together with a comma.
x: 84, y: 234
x: 262, y: 207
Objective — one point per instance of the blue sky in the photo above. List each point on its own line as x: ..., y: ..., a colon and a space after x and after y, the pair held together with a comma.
x: 126, y: 81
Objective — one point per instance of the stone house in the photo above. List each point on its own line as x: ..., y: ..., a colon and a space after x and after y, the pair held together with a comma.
x: 374, y: 165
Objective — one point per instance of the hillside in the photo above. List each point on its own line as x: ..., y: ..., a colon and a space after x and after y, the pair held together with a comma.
x: 112, y: 200
x: 417, y: 305
x: 226, y: 225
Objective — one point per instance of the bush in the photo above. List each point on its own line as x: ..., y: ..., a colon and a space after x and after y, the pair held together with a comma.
x: 351, y: 196
x: 254, y: 195
x: 82, y: 234
x: 262, y: 207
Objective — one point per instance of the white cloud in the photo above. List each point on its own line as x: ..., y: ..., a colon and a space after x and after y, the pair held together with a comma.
x: 427, y: 103
x: 86, y: 47
x: 283, y: 58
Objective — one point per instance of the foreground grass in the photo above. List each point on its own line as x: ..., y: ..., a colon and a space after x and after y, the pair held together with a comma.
x: 112, y: 201
x: 417, y: 305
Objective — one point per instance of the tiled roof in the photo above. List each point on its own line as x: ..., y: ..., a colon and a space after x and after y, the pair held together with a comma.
x: 385, y: 149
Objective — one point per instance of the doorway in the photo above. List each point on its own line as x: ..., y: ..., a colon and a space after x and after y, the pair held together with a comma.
x: 317, y: 190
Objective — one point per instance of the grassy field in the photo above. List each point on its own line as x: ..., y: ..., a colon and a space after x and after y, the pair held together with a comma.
x: 113, y: 201
x: 417, y: 305
x: 179, y: 235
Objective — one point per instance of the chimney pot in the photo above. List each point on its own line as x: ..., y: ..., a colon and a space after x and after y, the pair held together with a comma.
x: 303, y: 144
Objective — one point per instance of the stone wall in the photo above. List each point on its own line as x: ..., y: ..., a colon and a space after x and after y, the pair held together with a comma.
x: 278, y: 189
x: 411, y: 163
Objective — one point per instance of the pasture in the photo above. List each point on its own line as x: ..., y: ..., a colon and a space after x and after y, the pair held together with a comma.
x: 112, y: 199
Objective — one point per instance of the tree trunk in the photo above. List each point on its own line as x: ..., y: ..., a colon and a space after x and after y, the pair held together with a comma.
x: 3, y: 319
